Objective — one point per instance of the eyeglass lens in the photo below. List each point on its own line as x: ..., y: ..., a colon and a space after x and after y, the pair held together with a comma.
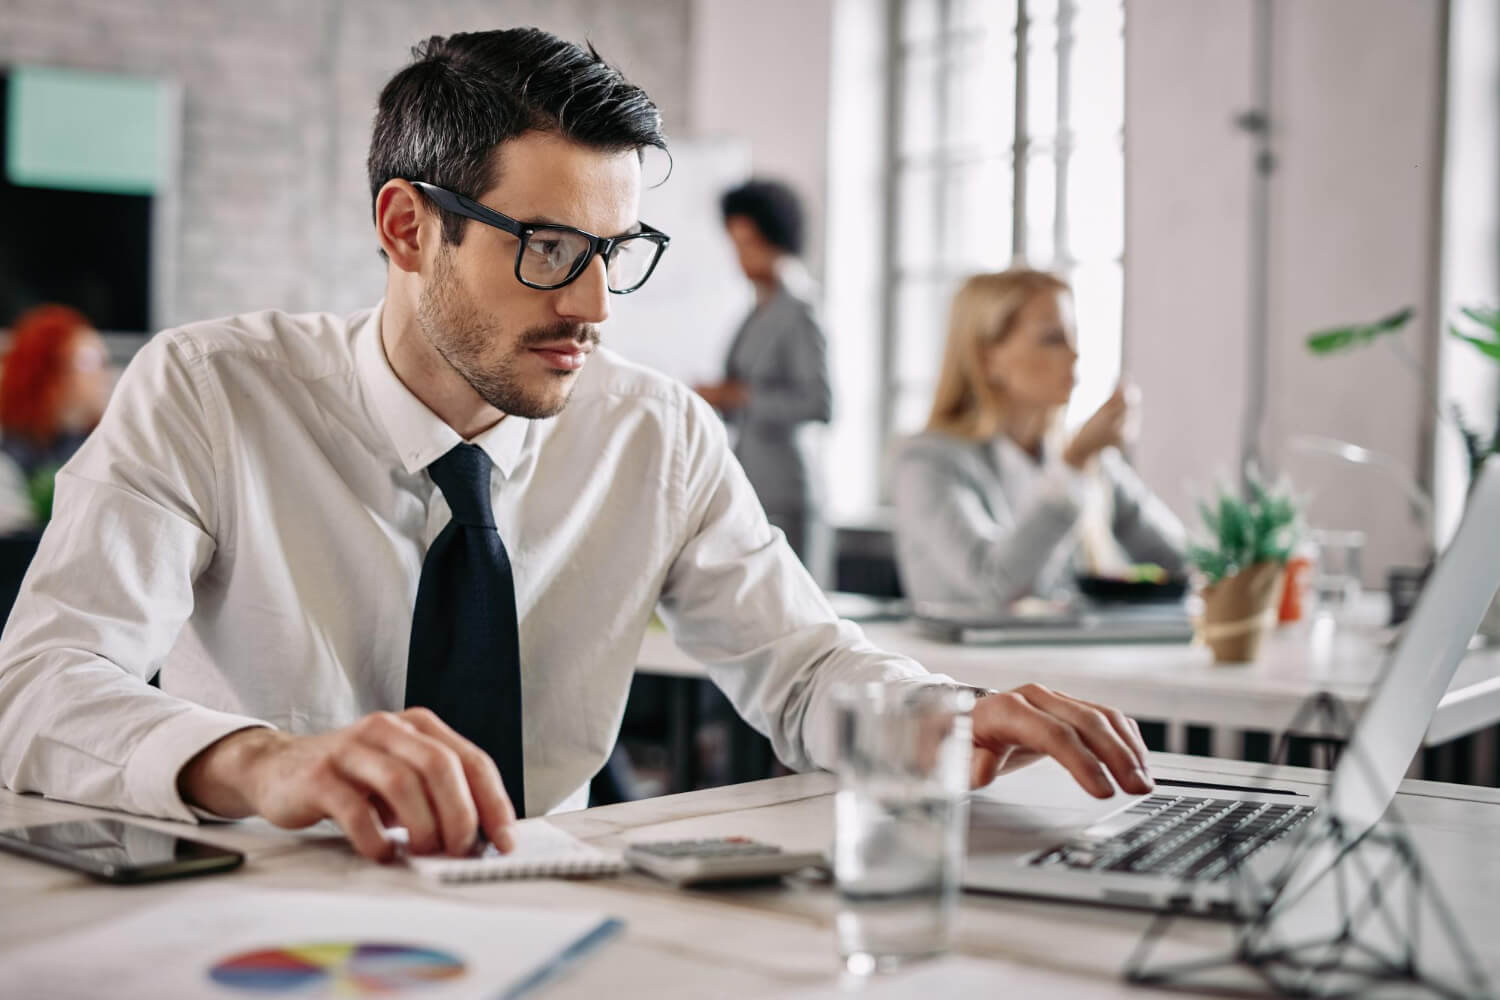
x: 552, y: 255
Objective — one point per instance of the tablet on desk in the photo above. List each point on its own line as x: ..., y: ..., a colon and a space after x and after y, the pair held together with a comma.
x: 117, y: 851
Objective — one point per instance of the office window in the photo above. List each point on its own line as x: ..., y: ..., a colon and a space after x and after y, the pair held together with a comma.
x: 1007, y: 145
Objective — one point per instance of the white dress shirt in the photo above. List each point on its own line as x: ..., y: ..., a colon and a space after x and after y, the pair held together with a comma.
x: 251, y: 517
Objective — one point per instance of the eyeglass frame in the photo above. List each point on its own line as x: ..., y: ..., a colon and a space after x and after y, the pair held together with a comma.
x: 452, y: 201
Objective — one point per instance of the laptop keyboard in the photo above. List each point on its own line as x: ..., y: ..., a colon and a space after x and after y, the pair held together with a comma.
x: 1181, y: 836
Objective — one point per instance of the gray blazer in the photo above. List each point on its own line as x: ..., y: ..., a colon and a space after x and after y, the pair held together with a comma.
x: 959, y: 539
x: 782, y: 357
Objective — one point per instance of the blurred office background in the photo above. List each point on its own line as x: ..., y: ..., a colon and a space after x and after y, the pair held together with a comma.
x: 929, y: 138
x: 1216, y: 177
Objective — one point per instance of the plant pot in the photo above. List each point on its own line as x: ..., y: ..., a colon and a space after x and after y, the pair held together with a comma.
x: 1239, y: 610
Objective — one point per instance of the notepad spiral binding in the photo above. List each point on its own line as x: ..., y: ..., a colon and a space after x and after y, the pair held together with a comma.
x: 539, y: 850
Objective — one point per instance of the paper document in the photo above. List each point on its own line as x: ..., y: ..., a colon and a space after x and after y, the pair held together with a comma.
x: 225, y: 942
x: 960, y: 976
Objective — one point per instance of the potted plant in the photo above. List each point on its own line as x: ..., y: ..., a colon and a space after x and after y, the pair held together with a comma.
x: 1243, y: 565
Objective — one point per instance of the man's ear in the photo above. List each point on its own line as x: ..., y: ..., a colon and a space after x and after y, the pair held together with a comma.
x: 403, y: 220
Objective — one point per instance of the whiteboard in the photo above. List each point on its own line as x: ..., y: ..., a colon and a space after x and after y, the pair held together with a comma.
x: 683, y: 320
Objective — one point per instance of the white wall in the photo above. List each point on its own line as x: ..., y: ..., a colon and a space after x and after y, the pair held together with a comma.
x: 760, y: 72
x: 1353, y: 230
x: 1355, y: 221
x: 1187, y: 190
x: 683, y: 321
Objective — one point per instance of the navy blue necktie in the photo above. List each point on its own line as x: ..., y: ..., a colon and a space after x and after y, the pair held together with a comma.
x: 464, y: 661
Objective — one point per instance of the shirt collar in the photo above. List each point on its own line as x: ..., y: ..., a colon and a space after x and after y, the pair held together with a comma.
x: 419, y: 435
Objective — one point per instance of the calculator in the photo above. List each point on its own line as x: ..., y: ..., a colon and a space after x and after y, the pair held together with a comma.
x: 718, y: 859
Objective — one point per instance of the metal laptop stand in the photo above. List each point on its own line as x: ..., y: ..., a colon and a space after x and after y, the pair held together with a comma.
x: 1384, y: 901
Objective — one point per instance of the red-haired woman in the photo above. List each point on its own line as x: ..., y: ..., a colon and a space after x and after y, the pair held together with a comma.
x: 53, y: 387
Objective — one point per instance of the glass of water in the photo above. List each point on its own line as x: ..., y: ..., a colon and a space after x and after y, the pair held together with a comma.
x: 1337, y: 571
x: 900, y: 820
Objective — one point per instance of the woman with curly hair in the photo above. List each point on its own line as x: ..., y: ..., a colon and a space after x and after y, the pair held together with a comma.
x: 776, y: 385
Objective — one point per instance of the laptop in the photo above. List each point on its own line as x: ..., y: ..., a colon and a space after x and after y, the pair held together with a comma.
x: 1175, y: 849
x: 1086, y: 622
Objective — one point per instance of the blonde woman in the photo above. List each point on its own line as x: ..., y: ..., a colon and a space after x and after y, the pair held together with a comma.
x: 994, y: 501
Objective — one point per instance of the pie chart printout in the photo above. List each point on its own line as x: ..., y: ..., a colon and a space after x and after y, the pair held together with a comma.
x: 337, y: 969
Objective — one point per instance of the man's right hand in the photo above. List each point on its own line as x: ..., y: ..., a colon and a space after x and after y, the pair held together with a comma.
x: 405, y: 769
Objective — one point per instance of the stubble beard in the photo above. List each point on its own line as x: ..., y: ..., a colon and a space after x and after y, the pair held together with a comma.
x: 462, y: 337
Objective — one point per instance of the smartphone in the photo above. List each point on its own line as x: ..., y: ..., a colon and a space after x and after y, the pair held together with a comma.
x: 116, y: 851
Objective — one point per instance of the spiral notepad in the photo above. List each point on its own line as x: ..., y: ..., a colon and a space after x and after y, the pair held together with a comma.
x: 541, y: 850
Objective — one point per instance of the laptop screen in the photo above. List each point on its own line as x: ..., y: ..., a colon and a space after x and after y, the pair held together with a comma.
x: 1418, y: 673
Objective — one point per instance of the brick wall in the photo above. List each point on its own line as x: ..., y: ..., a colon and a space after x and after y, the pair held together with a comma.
x: 278, y: 97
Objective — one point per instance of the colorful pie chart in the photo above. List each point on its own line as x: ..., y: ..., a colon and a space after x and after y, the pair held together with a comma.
x: 337, y: 968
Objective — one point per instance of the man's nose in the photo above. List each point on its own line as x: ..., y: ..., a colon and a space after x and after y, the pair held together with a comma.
x: 586, y: 298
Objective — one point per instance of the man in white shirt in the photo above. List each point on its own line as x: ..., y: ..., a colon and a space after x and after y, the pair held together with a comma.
x: 261, y: 509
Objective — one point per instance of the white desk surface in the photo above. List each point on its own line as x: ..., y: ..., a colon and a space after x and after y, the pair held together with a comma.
x: 757, y: 942
x: 1179, y: 683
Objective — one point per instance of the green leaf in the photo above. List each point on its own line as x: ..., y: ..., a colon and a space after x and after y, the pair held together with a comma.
x: 1342, y: 337
x: 1487, y: 318
x: 1472, y: 442
x: 1244, y: 531
x: 1210, y: 519
x: 1489, y: 347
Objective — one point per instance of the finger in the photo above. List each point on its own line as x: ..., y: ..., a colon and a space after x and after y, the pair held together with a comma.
x: 983, y: 766
x: 1102, y: 730
x: 355, y: 815
x: 496, y: 814
x: 442, y: 775
x: 395, y: 782
x: 1010, y: 718
x: 1130, y: 730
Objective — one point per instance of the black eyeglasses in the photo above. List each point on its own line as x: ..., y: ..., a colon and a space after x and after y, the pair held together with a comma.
x: 551, y: 256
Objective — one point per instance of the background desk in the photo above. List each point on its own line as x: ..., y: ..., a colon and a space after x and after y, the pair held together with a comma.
x: 751, y: 942
x: 1180, y: 683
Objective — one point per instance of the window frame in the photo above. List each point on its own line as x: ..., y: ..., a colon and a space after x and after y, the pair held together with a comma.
x: 1056, y: 141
